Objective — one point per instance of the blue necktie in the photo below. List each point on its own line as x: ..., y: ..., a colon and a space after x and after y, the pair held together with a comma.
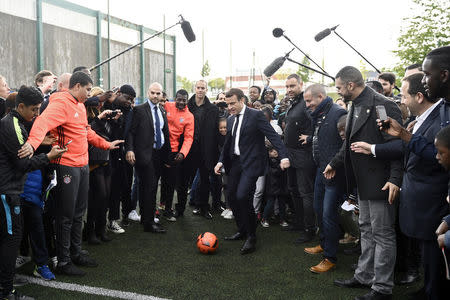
x: 157, y: 129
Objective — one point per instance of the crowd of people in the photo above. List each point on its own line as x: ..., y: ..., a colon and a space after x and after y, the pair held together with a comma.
x: 370, y: 168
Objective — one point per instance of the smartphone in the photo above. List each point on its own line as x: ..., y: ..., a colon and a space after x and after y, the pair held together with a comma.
x: 382, y: 115
x: 68, y: 143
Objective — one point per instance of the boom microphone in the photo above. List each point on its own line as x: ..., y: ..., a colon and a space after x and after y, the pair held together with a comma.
x: 276, y: 64
x: 187, y: 30
x: 324, y: 33
x: 277, y: 32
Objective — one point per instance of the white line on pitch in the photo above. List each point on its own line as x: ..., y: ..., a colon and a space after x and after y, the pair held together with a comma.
x: 89, y: 289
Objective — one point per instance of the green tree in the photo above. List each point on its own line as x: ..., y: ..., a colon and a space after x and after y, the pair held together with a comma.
x: 217, y: 83
x: 429, y: 28
x: 186, y: 84
x: 303, y: 72
x: 205, y: 69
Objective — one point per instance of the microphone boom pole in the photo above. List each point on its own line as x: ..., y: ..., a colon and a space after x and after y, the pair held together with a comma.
x: 306, y: 55
x: 309, y: 68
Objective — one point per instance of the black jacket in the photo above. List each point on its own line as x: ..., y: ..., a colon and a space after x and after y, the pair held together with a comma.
x: 369, y: 174
x: 298, y: 122
x: 206, y: 132
x: 276, y: 179
x: 141, y: 136
x: 12, y: 169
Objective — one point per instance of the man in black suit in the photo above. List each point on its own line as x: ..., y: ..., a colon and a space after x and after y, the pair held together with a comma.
x: 377, y: 181
x: 303, y: 170
x: 424, y: 188
x: 147, y: 146
x: 244, y: 157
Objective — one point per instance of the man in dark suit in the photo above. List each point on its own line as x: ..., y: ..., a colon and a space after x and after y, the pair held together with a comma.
x: 377, y: 181
x: 424, y: 188
x: 147, y: 146
x: 244, y: 157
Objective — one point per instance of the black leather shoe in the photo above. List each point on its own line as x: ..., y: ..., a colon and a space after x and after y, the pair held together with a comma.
x: 249, y: 245
x: 206, y: 214
x: 84, y: 261
x: 104, y: 237
x: 356, y: 250
x: 305, y: 236
x: 407, y: 278
x: 374, y: 295
x: 155, y: 228
x: 350, y: 283
x: 235, y: 237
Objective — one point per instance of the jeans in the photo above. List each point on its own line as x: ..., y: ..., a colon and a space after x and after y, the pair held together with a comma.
x: 327, y: 199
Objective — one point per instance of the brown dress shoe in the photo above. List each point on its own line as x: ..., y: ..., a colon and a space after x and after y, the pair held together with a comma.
x: 314, y: 250
x: 324, y: 266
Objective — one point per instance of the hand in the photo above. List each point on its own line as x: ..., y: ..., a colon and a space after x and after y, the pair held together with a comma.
x: 329, y: 172
x: 217, y: 168
x: 131, y: 159
x: 109, y: 95
x: 179, y: 157
x: 303, y: 138
x: 26, y: 151
x: 104, y: 114
x: 49, y: 140
x: 393, y: 191
x: 114, y: 144
x: 441, y: 240
x: 361, y: 147
x: 118, y: 114
x: 411, y: 126
x: 443, y: 228
x: 56, y: 152
x: 394, y: 129
x: 285, y: 164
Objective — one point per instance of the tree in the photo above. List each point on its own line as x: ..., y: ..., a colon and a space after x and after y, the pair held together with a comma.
x: 186, y: 84
x: 426, y: 30
x: 205, y: 69
x: 303, y: 72
x: 217, y: 83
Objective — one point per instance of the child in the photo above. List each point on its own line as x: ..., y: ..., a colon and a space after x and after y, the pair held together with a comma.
x: 227, y: 213
x: 276, y: 189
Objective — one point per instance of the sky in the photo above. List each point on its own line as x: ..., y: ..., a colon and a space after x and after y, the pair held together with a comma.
x: 372, y: 27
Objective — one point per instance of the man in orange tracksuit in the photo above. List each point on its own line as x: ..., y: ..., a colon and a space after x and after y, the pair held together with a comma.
x: 65, y: 117
x: 176, y: 174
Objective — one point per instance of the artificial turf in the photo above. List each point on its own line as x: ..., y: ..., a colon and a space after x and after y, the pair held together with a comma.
x: 170, y: 266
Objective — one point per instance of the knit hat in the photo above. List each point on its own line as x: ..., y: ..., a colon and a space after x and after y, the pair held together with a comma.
x: 127, y: 89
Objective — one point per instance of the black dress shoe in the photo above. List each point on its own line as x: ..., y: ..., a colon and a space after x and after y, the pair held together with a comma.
x: 249, y: 245
x: 374, y: 295
x: 407, y: 278
x: 356, y: 250
x: 350, y: 283
x: 305, y: 236
x: 155, y: 228
x: 235, y: 237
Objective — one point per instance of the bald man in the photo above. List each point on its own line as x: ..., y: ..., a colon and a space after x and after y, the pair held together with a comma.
x: 147, y: 147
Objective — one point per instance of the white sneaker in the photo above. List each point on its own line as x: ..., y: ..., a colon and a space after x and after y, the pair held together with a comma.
x: 156, y: 220
x: 22, y: 260
x: 225, y: 212
x: 114, y: 227
x: 229, y: 215
x: 133, y: 216
x: 54, y: 261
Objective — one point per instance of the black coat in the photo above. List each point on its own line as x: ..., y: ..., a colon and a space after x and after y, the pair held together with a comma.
x: 207, y: 131
x: 424, y: 188
x: 141, y: 136
x: 369, y: 174
x: 298, y: 121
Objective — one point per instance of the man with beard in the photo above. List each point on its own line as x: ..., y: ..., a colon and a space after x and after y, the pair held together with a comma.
x: 204, y: 152
x: 377, y: 182
x: 176, y: 174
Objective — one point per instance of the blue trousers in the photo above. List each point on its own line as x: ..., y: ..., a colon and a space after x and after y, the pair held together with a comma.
x: 327, y: 199
x: 34, y: 225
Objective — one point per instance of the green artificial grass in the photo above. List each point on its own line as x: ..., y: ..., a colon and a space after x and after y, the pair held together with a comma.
x: 170, y: 266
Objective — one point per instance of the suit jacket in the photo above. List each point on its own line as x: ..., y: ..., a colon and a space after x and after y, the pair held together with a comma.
x: 369, y: 174
x: 141, y: 136
x: 424, y: 188
x: 252, y: 147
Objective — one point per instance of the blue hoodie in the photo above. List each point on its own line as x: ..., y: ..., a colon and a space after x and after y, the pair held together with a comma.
x: 32, y: 190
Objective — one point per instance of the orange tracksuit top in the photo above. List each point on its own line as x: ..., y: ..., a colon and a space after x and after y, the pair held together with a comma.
x: 180, y: 122
x: 66, y: 119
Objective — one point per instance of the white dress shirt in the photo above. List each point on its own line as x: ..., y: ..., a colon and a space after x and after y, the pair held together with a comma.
x: 238, y: 131
x: 420, y: 119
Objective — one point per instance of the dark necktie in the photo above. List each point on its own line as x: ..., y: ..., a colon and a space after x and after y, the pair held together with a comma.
x: 233, y: 138
x: 157, y: 129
